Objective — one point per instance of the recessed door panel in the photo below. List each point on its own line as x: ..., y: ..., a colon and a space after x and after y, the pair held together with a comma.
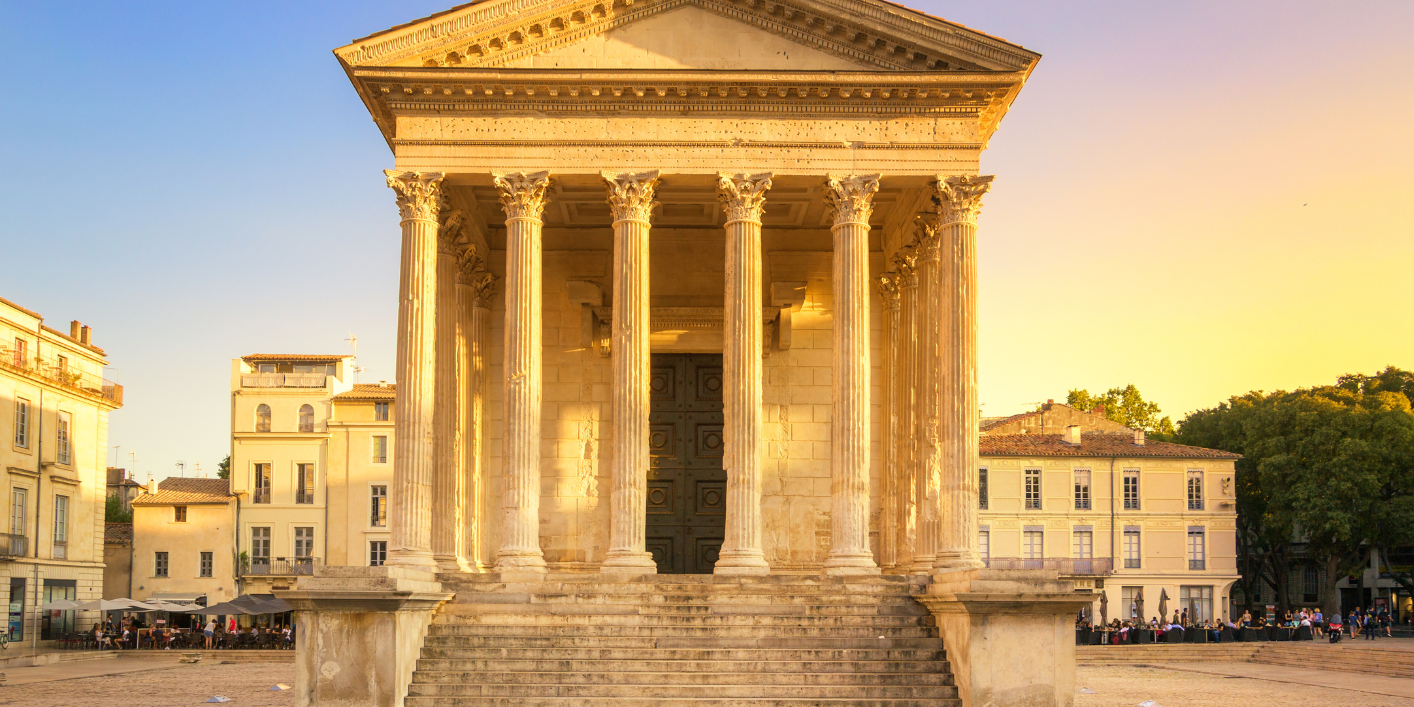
x: 687, y: 488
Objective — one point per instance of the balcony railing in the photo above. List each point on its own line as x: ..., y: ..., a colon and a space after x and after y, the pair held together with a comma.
x: 1064, y: 565
x: 1197, y: 564
x: 282, y: 566
x: 260, y: 496
x: 64, y: 375
x: 61, y: 550
x: 12, y: 545
x: 284, y: 380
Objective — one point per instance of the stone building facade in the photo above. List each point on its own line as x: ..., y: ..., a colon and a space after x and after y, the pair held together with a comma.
x: 183, y: 542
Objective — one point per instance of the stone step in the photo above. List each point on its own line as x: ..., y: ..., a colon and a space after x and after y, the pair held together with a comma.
x: 467, y: 614
x: 687, y: 579
x: 464, y: 628
x: 440, y: 640
x: 467, y: 701
x: 732, y: 662
x: 640, y: 691
x: 905, y: 607
x: 679, y: 677
x: 620, y: 589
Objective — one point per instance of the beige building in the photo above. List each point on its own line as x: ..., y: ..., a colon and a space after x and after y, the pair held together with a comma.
x: 1132, y: 517
x: 118, y: 560
x: 183, y: 540
x: 54, y: 406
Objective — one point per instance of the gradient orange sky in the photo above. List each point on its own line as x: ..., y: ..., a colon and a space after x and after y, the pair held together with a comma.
x: 1200, y: 198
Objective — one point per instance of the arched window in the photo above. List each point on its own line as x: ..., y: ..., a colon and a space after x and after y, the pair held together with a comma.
x: 306, y: 418
x: 262, y: 418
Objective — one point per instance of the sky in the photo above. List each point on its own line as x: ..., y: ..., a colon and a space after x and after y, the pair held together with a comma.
x: 1199, y: 198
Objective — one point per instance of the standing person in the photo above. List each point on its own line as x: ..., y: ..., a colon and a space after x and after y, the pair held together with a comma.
x: 1354, y: 624
x: 1246, y: 619
x: 1184, y: 621
x: 1385, y: 623
x: 210, y: 630
x: 1317, y: 624
x: 1371, y: 626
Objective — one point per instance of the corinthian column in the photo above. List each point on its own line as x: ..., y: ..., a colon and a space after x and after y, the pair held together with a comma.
x: 852, y: 199
x: 743, y: 196
x: 419, y: 199
x: 523, y: 200
x: 447, y: 485
x: 960, y: 200
x: 631, y: 201
x: 474, y: 289
x: 888, y: 477
x: 906, y: 399
x: 929, y: 369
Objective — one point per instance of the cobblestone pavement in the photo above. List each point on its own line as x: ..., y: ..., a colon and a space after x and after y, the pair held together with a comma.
x: 1117, y: 686
x: 247, y: 684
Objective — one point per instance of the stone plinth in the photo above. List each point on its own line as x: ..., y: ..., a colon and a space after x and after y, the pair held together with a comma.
x: 361, y: 631
x: 1009, y: 635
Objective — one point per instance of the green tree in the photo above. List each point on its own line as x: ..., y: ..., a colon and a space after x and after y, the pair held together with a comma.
x: 1125, y: 406
x: 223, y: 470
x: 113, y: 511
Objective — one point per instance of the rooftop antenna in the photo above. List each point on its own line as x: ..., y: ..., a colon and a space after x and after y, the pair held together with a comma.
x: 357, y: 369
x: 196, y: 468
x: 117, y: 454
x: 181, y: 468
x: 133, y: 457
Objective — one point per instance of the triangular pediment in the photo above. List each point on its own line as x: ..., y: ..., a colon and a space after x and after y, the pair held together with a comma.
x: 794, y: 35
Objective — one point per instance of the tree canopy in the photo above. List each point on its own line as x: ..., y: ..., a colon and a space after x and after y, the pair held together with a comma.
x: 223, y: 470
x: 1125, y: 406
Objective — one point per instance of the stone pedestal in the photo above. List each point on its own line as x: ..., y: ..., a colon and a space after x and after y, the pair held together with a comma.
x: 1009, y: 635
x: 360, y: 633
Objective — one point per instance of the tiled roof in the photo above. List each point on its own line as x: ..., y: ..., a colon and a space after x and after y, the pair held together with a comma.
x: 1092, y: 444
x: 368, y: 391
x: 324, y: 358
x: 30, y: 312
x: 991, y: 422
x: 117, y: 533
x: 178, y: 491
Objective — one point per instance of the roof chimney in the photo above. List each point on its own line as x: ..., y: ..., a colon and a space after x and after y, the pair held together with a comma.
x: 1139, y: 437
x: 152, y: 486
x: 84, y: 335
x: 74, y: 329
x: 1050, y: 401
x: 1072, y: 435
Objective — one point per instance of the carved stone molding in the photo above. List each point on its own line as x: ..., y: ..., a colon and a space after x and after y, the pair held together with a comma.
x: 523, y: 195
x: 449, y: 233
x: 927, y: 235
x: 852, y: 197
x: 419, y: 194
x: 888, y: 285
x: 743, y: 196
x: 905, y: 263
x: 631, y: 195
x: 483, y: 286
x: 960, y: 198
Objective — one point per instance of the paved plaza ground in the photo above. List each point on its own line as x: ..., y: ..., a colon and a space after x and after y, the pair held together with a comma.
x: 1233, y: 685
x: 146, y: 682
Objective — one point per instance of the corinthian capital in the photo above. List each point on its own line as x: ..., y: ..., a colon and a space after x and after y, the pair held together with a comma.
x: 960, y: 198
x: 449, y: 232
x: 743, y: 196
x: 888, y: 284
x: 631, y: 195
x: 419, y: 193
x: 468, y: 264
x: 852, y: 197
x: 483, y: 289
x: 905, y: 263
x: 926, y: 236
x: 522, y: 195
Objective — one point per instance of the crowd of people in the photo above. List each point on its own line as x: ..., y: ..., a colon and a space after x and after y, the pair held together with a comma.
x: 1303, y: 624
x: 130, y: 634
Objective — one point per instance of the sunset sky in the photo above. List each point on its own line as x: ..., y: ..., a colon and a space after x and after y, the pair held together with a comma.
x: 1199, y: 198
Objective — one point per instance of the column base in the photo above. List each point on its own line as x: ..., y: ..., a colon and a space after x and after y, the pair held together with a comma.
x: 452, y: 563
x: 742, y: 562
x: 846, y: 565
x: 412, y: 559
x: 949, y: 561
x: 629, y: 562
x: 528, y: 562
x: 921, y: 565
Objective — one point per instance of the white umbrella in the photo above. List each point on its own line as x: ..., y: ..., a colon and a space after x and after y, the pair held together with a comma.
x: 113, y: 605
x: 168, y: 606
x: 60, y: 605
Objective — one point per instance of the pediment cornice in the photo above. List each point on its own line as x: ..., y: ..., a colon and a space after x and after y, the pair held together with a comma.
x: 873, y: 34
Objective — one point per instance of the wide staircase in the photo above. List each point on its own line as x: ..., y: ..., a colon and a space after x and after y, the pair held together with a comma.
x: 679, y: 640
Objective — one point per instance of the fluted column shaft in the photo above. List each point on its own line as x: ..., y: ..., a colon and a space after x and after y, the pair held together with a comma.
x: 905, y: 441
x: 448, y: 485
x: 960, y: 200
x: 889, y: 533
x: 474, y: 288
x: 631, y: 200
x: 410, y: 522
x: 523, y: 200
x: 742, y: 197
x: 852, y: 199
x: 930, y: 446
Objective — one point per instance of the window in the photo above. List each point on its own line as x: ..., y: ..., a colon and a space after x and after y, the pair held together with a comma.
x: 179, y: 514
x: 1131, y: 489
x: 207, y: 564
x: 19, y: 500
x: 1082, y: 544
x: 1130, y: 598
x: 21, y: 353
x: 61, y: 527
x: 1131, y: 548
x: 1082, y: 489
x: 64, y: 368
x: 982, y: 489
x: 260, y: 546
x: 1198, y: 601
x: 1032, y: 544
x: 22, y: 423
x: 304, y: 543
x: 1195, y: 549
x: 377, y: 552
x: 984, y: 544
x: 262, y: 484
x: 1033, y: 489
x: 380, y: 507
x: 262, y: 418
x: 1195, y: 490
x: 159, y: 565
x: 380, y: 449
x: 304, y: 483
x: 306, y: 418
x: 65, y: 453
x: 380, y: 412
x: 1310, y: 584
x: 18, y: 597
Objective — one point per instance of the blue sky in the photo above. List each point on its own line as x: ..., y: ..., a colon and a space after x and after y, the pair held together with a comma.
x: 1199, y: 198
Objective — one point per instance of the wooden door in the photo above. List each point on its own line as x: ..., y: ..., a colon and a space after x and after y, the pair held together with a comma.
x: 687, y: 487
